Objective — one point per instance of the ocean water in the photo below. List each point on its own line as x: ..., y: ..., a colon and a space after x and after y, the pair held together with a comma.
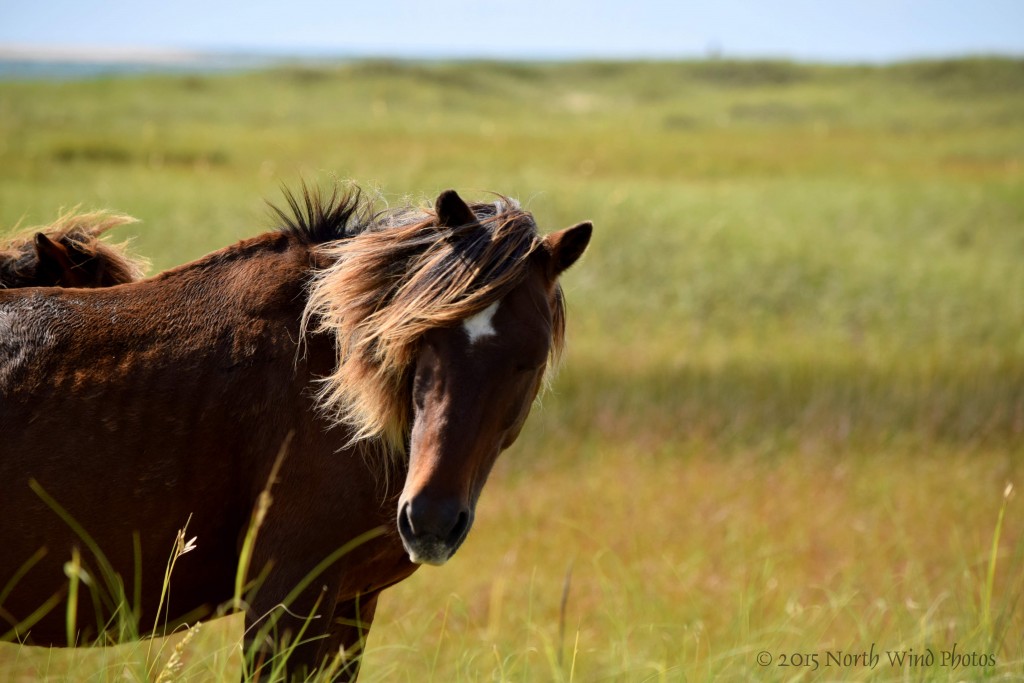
x: 15, y: 69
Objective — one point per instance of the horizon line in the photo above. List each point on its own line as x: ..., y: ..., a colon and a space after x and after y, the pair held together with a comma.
x: 88, y: 54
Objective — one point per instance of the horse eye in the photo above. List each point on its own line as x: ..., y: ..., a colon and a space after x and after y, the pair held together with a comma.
x: 421, y: 385
x: 523, y: 368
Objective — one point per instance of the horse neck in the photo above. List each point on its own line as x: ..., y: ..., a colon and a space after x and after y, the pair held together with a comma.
x: 260, y: 261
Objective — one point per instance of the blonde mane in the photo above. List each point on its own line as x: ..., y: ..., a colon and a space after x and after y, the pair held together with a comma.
x: 394, y: 275
x: 82, y: 232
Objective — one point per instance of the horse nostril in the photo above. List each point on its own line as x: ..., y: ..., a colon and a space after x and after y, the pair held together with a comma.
x: 460, y: 529
x: 405, y: 527
x: 432, y: 529
x: 445, y: 520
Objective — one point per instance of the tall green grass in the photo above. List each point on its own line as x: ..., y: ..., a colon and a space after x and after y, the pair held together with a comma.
x: 794, y: 388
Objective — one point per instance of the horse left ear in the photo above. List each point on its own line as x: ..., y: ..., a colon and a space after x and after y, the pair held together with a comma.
x: 451, y: 211
x: 54, y: 260
x: 566, y: 246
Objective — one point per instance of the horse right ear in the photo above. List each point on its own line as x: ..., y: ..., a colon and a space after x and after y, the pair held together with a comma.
x: 54, y: 259
x: 451, y: 211
x: 566, y: 246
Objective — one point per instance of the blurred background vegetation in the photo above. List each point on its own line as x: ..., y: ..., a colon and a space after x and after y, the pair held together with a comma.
x: 794, y: 389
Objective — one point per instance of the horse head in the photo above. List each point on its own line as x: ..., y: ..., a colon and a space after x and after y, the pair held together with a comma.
x: 472, y: 388
x: 69, y: 253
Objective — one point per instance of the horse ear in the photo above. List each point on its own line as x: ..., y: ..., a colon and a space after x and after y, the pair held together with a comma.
x: 566, y: 246
x: 54, y: 259
x: 452, y: 211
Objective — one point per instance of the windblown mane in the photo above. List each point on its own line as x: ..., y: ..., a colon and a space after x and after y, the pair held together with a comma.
x: 394, y: 274
x: 80, y: 232
x: 316, y: 218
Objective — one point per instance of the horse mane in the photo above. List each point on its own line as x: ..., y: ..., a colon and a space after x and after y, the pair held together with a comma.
x: 81, y: 232
x: 317, y: 218
x: 392, y: 275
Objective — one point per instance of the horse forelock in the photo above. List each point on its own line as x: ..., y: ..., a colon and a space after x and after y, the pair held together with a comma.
x: 393, y: 279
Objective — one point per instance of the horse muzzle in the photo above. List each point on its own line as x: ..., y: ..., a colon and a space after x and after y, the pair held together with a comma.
x: 432, y: 530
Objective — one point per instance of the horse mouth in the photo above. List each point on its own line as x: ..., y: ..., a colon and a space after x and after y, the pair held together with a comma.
x: 434, y: 554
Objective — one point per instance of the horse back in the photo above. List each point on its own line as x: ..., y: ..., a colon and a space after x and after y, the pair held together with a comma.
x: 140, y: 406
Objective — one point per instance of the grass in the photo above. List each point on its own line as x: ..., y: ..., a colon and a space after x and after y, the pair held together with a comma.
x: 794, y: 389
x: 204, y: 652
x: 689, y: 582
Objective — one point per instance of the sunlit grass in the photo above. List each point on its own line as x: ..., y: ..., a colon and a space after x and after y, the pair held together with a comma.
x: 210, y: 651
x: 686, y: 565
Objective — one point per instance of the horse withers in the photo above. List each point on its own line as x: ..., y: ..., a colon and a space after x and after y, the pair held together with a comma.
x: 393, y: 354
x: 69, y: 253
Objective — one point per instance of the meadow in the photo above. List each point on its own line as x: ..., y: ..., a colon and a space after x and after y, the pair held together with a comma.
x: 792, y: 404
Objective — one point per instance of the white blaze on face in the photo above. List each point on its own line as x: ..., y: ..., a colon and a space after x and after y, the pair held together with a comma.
x: 481, y: 325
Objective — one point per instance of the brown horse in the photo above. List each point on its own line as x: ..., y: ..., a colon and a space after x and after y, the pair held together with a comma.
x: 69, y: 253
x: 395, y: 353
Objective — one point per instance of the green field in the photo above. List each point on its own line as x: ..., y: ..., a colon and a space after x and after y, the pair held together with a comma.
x: 793, y: 395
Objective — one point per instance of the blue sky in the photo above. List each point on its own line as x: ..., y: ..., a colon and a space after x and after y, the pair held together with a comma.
x: 821, y: 30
